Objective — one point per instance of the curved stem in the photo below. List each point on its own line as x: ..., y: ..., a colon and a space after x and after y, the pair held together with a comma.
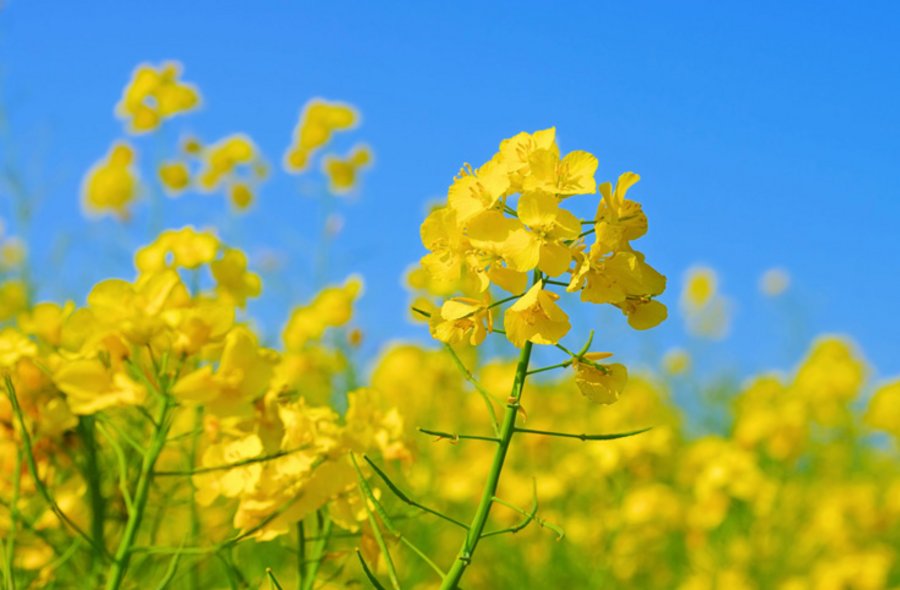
x: 141, y: 495
x: 507, y: 430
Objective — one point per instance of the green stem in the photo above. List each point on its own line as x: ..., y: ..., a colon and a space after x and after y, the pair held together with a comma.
x: 507, y: 431
x: 301, y: 554
x: 119, y: 566
x: 194, y: 575
x: 92, y: 477
x: 324, y: 532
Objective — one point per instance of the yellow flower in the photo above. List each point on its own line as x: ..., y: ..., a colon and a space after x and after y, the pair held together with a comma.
x: 536, y: 317
x: 13, y: 298
x: 676, y: 361
x: 12, y: 253
x: 112, y: 184
x: 242, y: 376
x: 515, y: 153
x: 700, y: 286
x: 476, y: 191
x: 233, y: 281
x: 552, y: 224
x: 883, y: 412
x: 45, y: 320
x: 14, y: 346
x: 174, y: 176
x: 223, y: 159
x: 181, y: 248
x: 573, y: 175
x: 155, y: 94
x: 602, y: 384
x: 619, y: 220
x: 342, y: 173
x: 319, y: 120
x: 241, y: 195
x: 91, y: 387
x: 330, y: 308
x: 462, y: 320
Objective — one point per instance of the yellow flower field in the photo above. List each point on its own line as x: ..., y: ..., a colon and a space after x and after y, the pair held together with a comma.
x: 152, y: 436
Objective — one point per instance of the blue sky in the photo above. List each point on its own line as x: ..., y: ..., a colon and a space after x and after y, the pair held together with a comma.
x: 765, y: 133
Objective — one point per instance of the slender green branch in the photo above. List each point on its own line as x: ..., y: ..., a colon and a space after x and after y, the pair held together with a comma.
x: 365, y: 493
x: 372, y: 579
x: 301, y: 554
x: 324, y: 533
x: 33, y: 470
x: 485, y: 395
x: 584, y: 437
x: 119, y: 566
x: 91, y: 474
x: 273, y: 581
x: 527, y: 519
x: 476, y: 529
x: 122, y: 465
x: 541, y: 522
x: 453, y: 437
x: 562, y: 365
x: 404, y: 498
x: 226, y: 466
x: 388, y: 521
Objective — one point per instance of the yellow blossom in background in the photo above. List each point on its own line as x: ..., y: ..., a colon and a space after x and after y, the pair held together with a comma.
x: 13, y: 253
x: 331, y: 307
x: 774, y: 282
x: 883, y: 412
x: 184, y: 248
x: 319, y: 120
x: 676, y: 361
x: 700, y: 286
x: 233, y: 281
x: 706, y: 311
x: 343, y: 173
x: 13, y: 298
x: 155, y: 94
x: 174, y: 176
x: 112, y: 184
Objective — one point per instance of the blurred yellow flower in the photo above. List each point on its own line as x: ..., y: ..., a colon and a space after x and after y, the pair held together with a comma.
x: 174, y: 176
x: 319, y: 120
x: 112, y: 184
x: 343, y: 173
x: 676, y: 361
x: 155, y: 94
x: 774, y: 282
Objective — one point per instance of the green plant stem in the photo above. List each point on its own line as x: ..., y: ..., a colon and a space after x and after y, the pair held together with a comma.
x: 507, y: 430
x: 301, y: 554
x: 324, y: 532
x: 194, y: 573
x: 92, y: 477
x: 119, y: 566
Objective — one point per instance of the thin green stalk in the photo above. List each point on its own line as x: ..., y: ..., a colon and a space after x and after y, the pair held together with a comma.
x: 324, y: 533
x: 119, y: 566
x: 9, y: 566
x: 33, y: 470
x: 92, y: 477
x: 197, y: 430
x: 301, y: 555
x: 508, y: 429
x: 584, y: 437
x: 485, y: 395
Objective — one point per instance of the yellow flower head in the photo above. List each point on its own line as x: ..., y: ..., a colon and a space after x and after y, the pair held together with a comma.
x: 602, y: 384
x: 343, y: 173
x: 536, y: 317
x: 181, y: 248
x: 462, y: 320
x: 319, y: 120
x: 331, y: 307
x: 112, y: 184
x: 174, y: 176
x: 155, y: 94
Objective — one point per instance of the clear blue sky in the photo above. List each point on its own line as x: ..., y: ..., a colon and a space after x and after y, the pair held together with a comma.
x: 766, y: 133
